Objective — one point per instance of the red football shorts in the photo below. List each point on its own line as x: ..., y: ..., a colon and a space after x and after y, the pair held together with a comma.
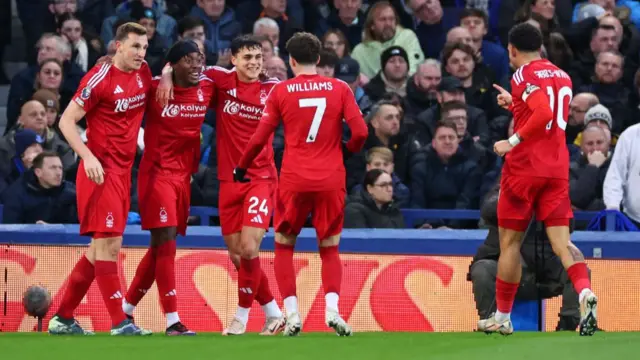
x: 164, y: 201
x: 245, y: 204
x: 103, y: 208
x: 520, y: 196
x: 326, y: 209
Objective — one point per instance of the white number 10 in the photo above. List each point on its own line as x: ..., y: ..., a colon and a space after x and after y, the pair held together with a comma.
x: 564, y: 92
x: 321, y: 105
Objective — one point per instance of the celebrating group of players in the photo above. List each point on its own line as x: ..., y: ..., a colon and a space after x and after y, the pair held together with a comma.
x: 115, y: 95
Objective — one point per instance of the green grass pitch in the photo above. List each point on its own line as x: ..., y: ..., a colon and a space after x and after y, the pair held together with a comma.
x: 325, y: 346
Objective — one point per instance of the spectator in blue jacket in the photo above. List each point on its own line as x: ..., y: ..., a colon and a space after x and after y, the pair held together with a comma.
x: 28, y: 145
x: 220, y: 25
x: 382, y: 158
x: 443, y: 177
x: 165, y: 24
x: 41, y: 196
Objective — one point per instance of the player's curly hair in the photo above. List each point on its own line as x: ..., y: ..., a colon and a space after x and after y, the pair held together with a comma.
x: 526, y: 38
x: 304, y: 48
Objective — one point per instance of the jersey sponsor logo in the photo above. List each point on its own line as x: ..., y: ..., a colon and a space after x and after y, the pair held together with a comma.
x: 163, y: 215
x: 109, y: 220
x: 530, y: 89
x: 184, y: 110
x: 118, y: 90
x: 131, y: 103
x: 246, y: 111
x: 86, y: 93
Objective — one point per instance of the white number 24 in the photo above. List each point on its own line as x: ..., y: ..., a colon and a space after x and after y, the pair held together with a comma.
x: 253, y: 203
x: 563, y: 93
x: 321, y: 105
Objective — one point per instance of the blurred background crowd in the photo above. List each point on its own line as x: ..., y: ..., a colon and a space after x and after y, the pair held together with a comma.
x: 421, y: 71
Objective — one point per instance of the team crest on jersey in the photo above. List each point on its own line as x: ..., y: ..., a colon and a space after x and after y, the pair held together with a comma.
x: 86, y: 92
x: 163, y: 215
x: 263, y: 97
x: 200, y: 95
x: 139, y: 81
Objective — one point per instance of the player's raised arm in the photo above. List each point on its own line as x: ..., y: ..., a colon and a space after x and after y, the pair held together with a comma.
x: 268, y: 124
x: 354, y: 119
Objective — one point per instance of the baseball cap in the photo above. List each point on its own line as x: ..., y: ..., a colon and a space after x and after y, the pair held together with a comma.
x: 25, y: 138
x: 47, y: 98
x: 598, y: 112
x: 347, y: 70
x: 450, y: 84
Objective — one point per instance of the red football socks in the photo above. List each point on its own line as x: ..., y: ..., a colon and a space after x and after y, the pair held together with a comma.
x: 248, y: 281
x: 505, y: 295
x: 109, y: 284
x: 331, y: 269
x: 264, y: 295
x: 285, y: 273
x: 143, y: 279
x: 166, y: 276
x: 579, y: 276
x: 78, y: 284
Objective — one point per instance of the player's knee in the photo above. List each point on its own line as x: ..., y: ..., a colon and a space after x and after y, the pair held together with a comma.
x: 108, y: 248
x: 162, y: 235
x: 235, y: 259
x: 249, y: 248
x: 330, y: 241
x: 286, y: 239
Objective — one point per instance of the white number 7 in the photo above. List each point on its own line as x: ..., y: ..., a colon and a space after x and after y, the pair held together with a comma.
x: 321, y: 105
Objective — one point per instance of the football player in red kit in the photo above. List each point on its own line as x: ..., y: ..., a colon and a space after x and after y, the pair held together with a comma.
x: 245, y: 209
x: 312, y: 179
x: 535, y: 176
x: 113, y: 98
x: 171, y: 155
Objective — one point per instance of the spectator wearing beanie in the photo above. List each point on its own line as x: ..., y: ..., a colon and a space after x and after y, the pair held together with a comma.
x: 28, y: 145
x: 158, y: 44
x: 393, y: 77
x: 49, y: 100
x: 598, y: 115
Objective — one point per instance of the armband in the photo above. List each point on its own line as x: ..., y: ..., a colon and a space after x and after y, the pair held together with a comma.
x: 514, y: 139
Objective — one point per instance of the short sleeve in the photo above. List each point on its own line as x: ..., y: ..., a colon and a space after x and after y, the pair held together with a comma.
x: 89, y: 92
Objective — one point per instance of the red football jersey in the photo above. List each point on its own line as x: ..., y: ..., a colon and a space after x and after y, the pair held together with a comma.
x: 239, y: 106
x: 313, y: 109
x: 172, y: 132
x: 544, y: 155
x: 114, y: 102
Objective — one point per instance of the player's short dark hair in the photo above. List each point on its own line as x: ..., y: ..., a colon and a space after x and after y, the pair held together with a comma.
x: 452, y: 105
x: 445, y: 124
x: 38, y: 161
x: 525, y: 37
x: 304, y: 48
x: 248, y: 42
x: 449, y: 48
x: 473, y: 12
x: 371, y: 176
x: 328, y: 57
x: 189, y: 22
x: 127, y: 28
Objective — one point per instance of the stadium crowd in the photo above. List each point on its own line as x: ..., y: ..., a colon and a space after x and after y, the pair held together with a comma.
x: 421, y: 70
